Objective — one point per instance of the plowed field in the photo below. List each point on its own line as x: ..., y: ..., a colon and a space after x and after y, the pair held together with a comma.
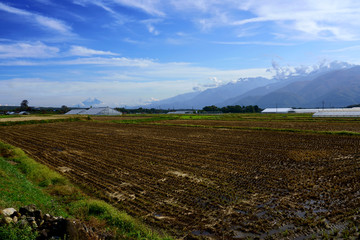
x: 207, y: 182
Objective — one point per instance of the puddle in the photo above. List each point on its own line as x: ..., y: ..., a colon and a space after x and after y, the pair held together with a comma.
x: 201, y: 233
x: 300, y: 214
x: 240, y: 211
x: 64, y: 169
x: 241, y: 235
x: 58, y: 149
x: 261, y: 214
x: 245, y: 235
x: 157, y: 215
x: 160, y: 216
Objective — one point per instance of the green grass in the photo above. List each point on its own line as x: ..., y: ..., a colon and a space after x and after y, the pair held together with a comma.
x: 16, y: 233
x: 126, y: 226
x: 9, y: 116
x: 24, y: 181
x: 16, y: 191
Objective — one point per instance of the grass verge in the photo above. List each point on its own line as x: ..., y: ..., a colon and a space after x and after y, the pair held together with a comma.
x: 24, y: 181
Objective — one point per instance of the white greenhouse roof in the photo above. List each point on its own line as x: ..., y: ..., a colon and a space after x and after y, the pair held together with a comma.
x: 277, y: 110
x: 337, y: 114
x: 95, y: 111
x: 76, y: 111
x: 307, y: 110
x: 102, y: 111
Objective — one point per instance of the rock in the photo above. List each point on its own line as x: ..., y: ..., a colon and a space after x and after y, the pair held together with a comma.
x: 30, y: 219
x: 7, y: 212
x: 43, y: 234
x: 7, y: 220
x: 28, y: 210
x: 47, y: 217
x: 16, y: 214
x: 15, y: 219
x: 38, y: 215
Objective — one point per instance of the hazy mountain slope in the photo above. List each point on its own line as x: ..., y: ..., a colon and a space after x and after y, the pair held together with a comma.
x: 290, y: 87
x: 212, y: 96
x: 174, y: 102
x: 300, y: 74
x: 337, y: 88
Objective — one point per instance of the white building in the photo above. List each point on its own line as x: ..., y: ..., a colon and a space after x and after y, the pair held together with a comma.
x: 338, y: 112
x: 95, y: 111
x: 278, y: 110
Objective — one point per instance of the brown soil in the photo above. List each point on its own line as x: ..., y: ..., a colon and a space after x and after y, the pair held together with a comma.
x: 206, y: 181
x: 29, y: 118
x: 353, y: 126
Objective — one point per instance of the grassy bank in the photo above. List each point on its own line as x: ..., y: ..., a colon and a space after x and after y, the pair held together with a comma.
x: 23, y: 181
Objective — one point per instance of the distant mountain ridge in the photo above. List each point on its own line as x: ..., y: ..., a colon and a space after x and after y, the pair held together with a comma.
x: 335, y: 84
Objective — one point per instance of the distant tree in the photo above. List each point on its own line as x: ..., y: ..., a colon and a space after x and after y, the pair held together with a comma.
x: 64, y: 109
x: 24, y: 105
x: 211, y: 108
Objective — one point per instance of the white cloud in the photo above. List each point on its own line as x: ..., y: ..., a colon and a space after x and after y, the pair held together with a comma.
x: 43, y: 21
x: 256, y: 43
x: 120, y: 62
x: 311, y: 19
x: 352, y: 48
x: 148, y: 6
x: 83, y: 51
x: 151, y: 7
x: 304, y: 19
x: 27, y: 50
x: 149, y: 23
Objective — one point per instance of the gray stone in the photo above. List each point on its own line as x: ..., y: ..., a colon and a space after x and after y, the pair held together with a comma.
x: 47, y: 217
x: 15, y: 219
x: 7, y: 212
x: 38, y: 214
x: 8, y: 220
x: 28, y: 210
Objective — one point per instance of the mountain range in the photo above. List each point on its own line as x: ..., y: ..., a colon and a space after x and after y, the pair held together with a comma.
x: 335, y: 84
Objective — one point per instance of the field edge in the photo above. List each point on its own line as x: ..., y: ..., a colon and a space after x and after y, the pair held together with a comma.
x: 66, y: 198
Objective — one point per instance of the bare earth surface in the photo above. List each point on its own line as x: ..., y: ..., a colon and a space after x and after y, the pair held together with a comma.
x: 208, y: 182
x: 30, y: 118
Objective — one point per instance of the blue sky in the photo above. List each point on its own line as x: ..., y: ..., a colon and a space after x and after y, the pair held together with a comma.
x: 130, y: 52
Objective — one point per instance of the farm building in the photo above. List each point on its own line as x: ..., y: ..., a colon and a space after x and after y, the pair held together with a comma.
x: 96, y: 111
x: 75, y: 111
x: 278, y: 110
x: 307, y: 110
x: 338, y: 112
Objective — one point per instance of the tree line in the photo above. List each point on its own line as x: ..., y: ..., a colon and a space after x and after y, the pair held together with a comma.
x: 233, y: 109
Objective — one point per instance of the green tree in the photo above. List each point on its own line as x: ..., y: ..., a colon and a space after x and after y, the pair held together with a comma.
x: 24, y: 105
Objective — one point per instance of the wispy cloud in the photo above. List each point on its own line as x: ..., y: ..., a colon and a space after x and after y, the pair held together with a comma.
x: 27, y: 50
x: 302, y: 19
x: 352, y: 48
x: 83, y: 51
x: 148, y: 6
x: 256, y: 43
x: 43, y: 21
